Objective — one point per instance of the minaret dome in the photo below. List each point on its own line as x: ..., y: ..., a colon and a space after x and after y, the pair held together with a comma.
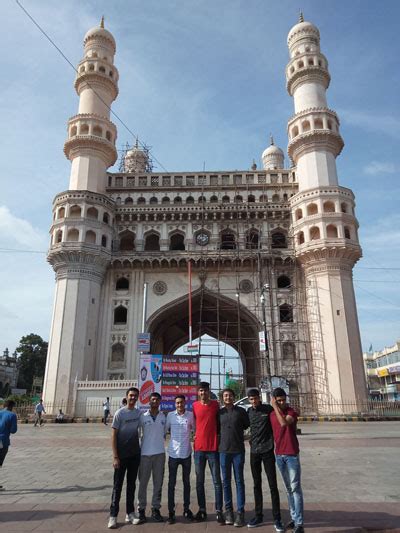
x: 273, y: 157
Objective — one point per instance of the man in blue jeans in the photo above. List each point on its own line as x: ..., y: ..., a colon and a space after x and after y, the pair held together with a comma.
x: 283, y: 421
x: 233, y: 421
x: 8, y: 425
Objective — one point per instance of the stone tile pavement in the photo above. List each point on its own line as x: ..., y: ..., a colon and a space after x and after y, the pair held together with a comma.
x: 58, y: 479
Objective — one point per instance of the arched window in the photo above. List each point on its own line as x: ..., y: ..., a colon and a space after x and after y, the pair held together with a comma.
x: 228, y: 241
x: 177, y: 242
x: 141, y: 200
x: 92, y: 213
x: 117, y: 354
x: 299, y: 214
x: 285, y: 313
x: 251, y: 199
x: 75, y: 211
x: 225, y: 199
x: 90, y: 237
x: 300, y: 238
x: 153, y: 200
x: 343, y: 207
x: 61, y: 212
x: 152, y: 242
x: 97, y: 131
x: 73, y: 235
x: 285, y: 197
x: 347, y: 234
x: 58, y: 238
x: 329, y: 207
x: 283, y: 282
x: 108, y: 135
x: 102, y: 69
x: 315, y: 234
x: 165, y: 200
x: 120, y: 315
x: 276, y: 198
x: 318, y: 124
x: 300, y: 64
x: 127, y: 241
x: 214, y: 199
x: 74, y: 131
x: 331, y: 231
x: 122, y: 284
x: 278, y: 240
x: 106, y: 218
x: 129, y: 201
x: 310, y: 62
x: 238, y: 198
x: 252, y: 239
x: 202, y: 199
x: 177, y: 200
x: 104, y: 241
x: 312, y: 209
x: 295, y: 132
x: 84, y: 129
x: 264, y: 198
x: 190, y: 200
x: 306, y: 126
x: 91, y: 67
x: 289, y: 351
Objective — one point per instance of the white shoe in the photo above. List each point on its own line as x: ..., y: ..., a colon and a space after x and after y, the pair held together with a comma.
x: 130, y: 517
x: 112, y: 522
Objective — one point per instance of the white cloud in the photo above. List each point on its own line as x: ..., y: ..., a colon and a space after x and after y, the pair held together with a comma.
x: 378, y: 123
x: 17, y: 232
x: 379, y: 167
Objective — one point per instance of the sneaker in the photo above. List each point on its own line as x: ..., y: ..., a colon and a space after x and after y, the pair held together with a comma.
x: 156, y: 515
x: 130, y: 518
x: 256, y: 521
x: 229, y: 518
x: 171, y: 518
x: 239, y: 520
x: 140, y: 519
x: 188, y: 515
x: 290, y: 525
x: 220, y: 517
x: 201, y: 516
x: 279, y: 526
x: 112, y: 522
x: 299, y: 529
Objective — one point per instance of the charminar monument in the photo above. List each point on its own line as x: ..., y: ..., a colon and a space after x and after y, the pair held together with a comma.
x: 271, y: 248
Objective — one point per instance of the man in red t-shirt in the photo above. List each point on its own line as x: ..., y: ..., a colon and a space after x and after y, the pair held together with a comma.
x: 205, y: 413
x: 284, y: 421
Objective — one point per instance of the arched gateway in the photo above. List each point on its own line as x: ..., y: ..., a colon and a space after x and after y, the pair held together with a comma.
x: 270, y: 248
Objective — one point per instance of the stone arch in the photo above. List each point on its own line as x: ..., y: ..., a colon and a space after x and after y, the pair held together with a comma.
x: 117, y: 355
x: 278, y: 239
x: 92, y: 213
x: 120, y: 315
x: 177, y: 240
x: 73, y: 235
x: 152, y: 241
x: 127, y: 241
x: 61, y: 212
x: 90, y: 237
x: 283, y: 282
x: 122, y: 284
x: 252, y: 239
x: 227, y: 240
x: 329, y: 207
x: 315, y: 233
x: 331, y: 231
x: 312, y: 209
x: 75, y: 211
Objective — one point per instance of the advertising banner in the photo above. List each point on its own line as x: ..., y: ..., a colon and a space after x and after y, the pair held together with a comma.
x: 150, y: 373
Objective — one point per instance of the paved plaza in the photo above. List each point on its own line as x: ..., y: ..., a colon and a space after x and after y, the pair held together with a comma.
x: 58, y: 478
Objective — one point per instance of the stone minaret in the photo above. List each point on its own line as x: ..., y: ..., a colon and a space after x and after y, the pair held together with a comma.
x: 81, y: 233
x: 324, y: 225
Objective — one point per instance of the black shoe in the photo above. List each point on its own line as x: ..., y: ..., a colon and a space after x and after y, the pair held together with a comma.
x: 220, y: 517
x: 239, y: 520
x: 156, y: 515
x: 290, y: 525
x: 201, y: 516
x: 140, y: 519
x: 171, y: 518
x: 188, y: 515
x: 299, y: 529
x: 256, y: 521
x: 279, y: 526
x: 229, y: 518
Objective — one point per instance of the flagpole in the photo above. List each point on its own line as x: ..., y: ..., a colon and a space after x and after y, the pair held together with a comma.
x: 190, y: 301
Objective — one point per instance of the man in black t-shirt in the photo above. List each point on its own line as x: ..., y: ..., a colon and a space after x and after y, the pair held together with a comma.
x: 262, y: 452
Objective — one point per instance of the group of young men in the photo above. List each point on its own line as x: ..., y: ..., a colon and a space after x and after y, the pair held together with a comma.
x: 219, y: 441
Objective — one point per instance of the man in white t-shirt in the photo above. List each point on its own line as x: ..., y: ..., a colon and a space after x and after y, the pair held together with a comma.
x: 152, y: 459
x: 180, y: 423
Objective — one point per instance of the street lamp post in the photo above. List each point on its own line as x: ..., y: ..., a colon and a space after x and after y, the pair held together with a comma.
x: 264, y: 288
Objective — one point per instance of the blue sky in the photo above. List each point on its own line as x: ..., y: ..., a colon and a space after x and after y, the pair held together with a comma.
x: 203, y: 83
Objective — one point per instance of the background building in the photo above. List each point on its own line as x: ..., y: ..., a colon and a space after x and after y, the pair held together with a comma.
x: 383, y: 373
x: 287, y: 233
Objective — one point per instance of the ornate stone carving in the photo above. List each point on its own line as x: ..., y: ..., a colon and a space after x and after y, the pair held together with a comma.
x: 160, y: 288
x: 246, y: 286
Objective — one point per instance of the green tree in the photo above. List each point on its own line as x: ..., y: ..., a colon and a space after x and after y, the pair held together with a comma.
x: 32, y: 352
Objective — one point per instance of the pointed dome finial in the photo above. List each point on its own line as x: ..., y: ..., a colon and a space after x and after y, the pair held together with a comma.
x: 137, y: 142
x: 271, y: 139
x: 102, y: 22
x: 301, y: 18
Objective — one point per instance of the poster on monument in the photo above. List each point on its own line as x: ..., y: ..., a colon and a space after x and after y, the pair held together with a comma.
x: 180, y: 376
x: 150, y: 372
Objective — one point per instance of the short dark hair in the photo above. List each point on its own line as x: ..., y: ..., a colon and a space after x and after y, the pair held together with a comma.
x: 180, y: 397
x: 227, y: 389
x: 278, y: 392
x: 253, y: 392
x: 132, y: 389
x: 9, y: 404
x: 203, y: 385
x: 155, y: 395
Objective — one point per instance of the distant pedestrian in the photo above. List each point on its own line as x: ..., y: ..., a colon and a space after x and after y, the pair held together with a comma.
x: 123, y: 403
x: 262, y: 453
x: 8, y: 425
x: 60, y: 417
x: 233, y: 421
x: 205, y: 413
x: 106, y: 410
x: 180, y: 423
x: 39, y: 410
x: 152, y: 459
x: 126, y: 456
x: 284, y: 421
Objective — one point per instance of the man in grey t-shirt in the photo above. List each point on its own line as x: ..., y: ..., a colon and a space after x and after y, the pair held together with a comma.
x: 126, y: 456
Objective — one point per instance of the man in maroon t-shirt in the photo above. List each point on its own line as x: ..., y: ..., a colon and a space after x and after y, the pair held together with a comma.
x: 205, y: 413
x: 283, y: 421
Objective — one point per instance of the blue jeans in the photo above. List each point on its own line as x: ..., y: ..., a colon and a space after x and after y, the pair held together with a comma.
x: 200, y: 460
x: 289, y: 467
x: 237, y: 461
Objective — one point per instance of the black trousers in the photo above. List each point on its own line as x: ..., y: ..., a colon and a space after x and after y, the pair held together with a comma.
x: 173, y: 470
x: 130, y: 465
x: 256, y: 462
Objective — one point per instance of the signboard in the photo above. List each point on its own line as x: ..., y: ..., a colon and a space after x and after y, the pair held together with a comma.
x: 180, y: 376
x: 143, y: 342
x: 150, y: 372
x: 383, y: 372
x: 394, y: 369
x: 18, y: 392
x: 261, y: 340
